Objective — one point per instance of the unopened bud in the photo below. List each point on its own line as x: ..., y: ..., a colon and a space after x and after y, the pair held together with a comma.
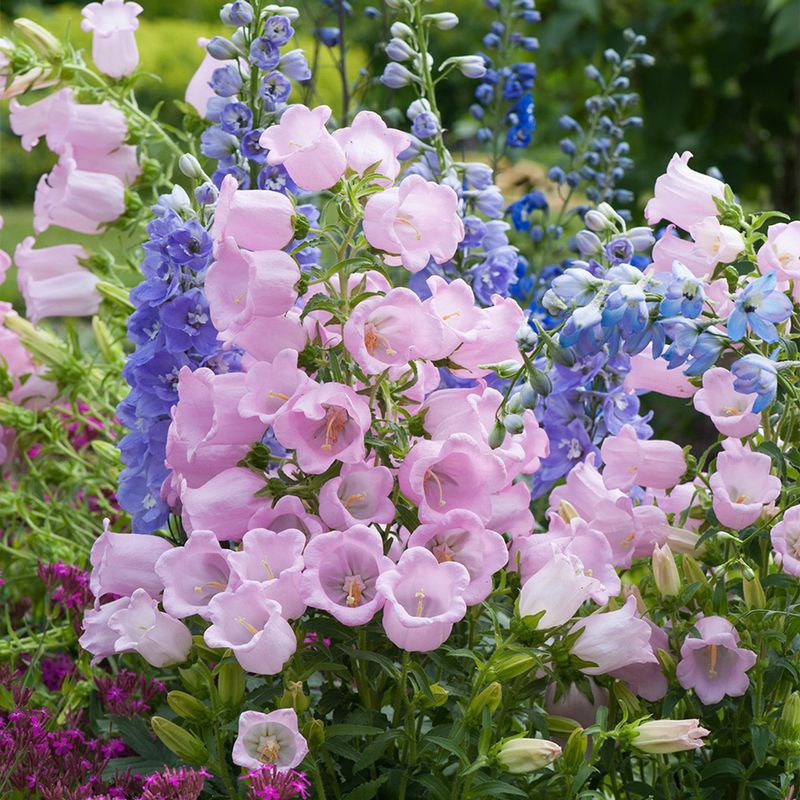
x: 519, y: 756
x: 528, y: 396
x: 440, y: 697
x: 497, y: 435
x: 402, y: 31
x: 540, y: 381
x: 490, y: 698
x: 512, y: 666
x: 222, y: 49
x: 668, y: 735
x: 41, y: 39
x: 627, y: 700
x: 187, y: 706
x: 665, y: 571
x: 283, y: 11
x: 314, y: 731
x: 444, y: 20
x: 753, y: 591
x: 190, y: 166
x: 588, y: 243
x: 514, y: 423
x: 595, y: 221
x: 575, y: 750
x: 230, y: 684
x: 526, y: 338
x: 788, y: 727
x: 505, y: 369
x: 184, y: 744
x: 294, y: 697
x: 195, y: 679
x: 692, y: 571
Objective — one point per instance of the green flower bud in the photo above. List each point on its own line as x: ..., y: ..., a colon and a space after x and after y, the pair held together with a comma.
x: 188, y: 707
x: 230, y: 684
x: 497, y: 435
x: 788, y: 728
x: 301, y: 225
x: 488, y: 697
x: 693, y: 572
x: 294, y: 697
x: 112, y: 353
x: 540, y: 382
x: 184, y: 744
x: 514, y: 423
x: 440, y: 697
x: 195, y: 679
x: 561, y: 726
x: 627, y: 699
x: 40, y: 38
x: 190, y: 167
x: 314, y: 731
x: 575, y: 751
x: 528, y: 396
x: 116, y: 294
x: 753, y: 591
x: 665, y: 571
x: 512, y: 666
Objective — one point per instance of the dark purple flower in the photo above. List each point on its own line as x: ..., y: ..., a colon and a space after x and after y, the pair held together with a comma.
x: 275, y: 88
x: 236, y: 118
x: 190, y: 246
x: 276, y: 179
x: 250, y: 147
x: 187, y: 323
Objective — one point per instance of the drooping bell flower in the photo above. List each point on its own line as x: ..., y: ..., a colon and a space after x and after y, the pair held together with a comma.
x: 198, y: 90
x: 424, y: 599
x: 670, y: 248
x: 303, y: 146
x: 414, y: 222
x: 522, y: 755
x: 730, y: 411
x: 275, y: 560
x: 193, y: 574
x: 157, y: 637
x: 712, y: 663
x: 370, y: 142
x: 669, y: 735
x: 269, y: 739
x: 721, y: 244
x: 323, y: 424
x: 97, y: 637
x: 342, y: 569
x: 781, y: 251
x: 287, y: 513
x: 785, y: 538
x: 113, y: 26
x: 269, y: 386
x: 646, y: 679
x: 462, y: 537
x: 653, y: 463
x: 359, y: 495
x: 252, y: 626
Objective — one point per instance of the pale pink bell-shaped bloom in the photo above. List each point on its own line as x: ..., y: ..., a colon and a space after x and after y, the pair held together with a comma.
x: 439, y: 476
x: 731, y: 412
x: 384, y: 332
x: 193, y: 574
x: 287, y: 513
x: 97, y: 637
x: 511, y: 511
x: 262, y: 338
x: 301, y: 143
x: 646, y: 679
x: 584, y: 490
x: 454, y: 304
x: 719, y: 300
x: 241, y: 284
x: 160, y: 639
x: 713, y: 664
x: 122, y: 163
x: 198, y: 90
x: 342, y: 570
x: 682, y: 195
x: 653, y: 463
x: 76, y: 199
x: 785, y: 538
x: 462, y: 537
x: 207, y: 434
x: 368, y: 142
x: 16, y: 358
x: 670, y: 247
x: 414, y: 222
x: 224, y: 504
x: 5, y: 258
x: 113, y: 26
x: 269, y: 386
x: 721, y: 244
x: 323, y: 424
x: 494, y: 341
x: 669, y: 735
x: 359, y: 495
x: 31, y: 122
x: 613, y: 639
x: 556, y: 591
x: 275, y: 560
x: 256, y: 219
x: 424, y: 599
x: 269, y: 740
x: 574, y: 704
x: 648, y: 374
x: 741, y: 485
x: 53, y: 282
x: 249, y: 623
x: 781, y: 251
x: 124, y: 562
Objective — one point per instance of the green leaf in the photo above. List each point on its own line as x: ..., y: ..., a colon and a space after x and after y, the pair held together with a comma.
x: 367, y: 790
x: 446, y: 744
x: 437, y: 789
x: 386, y: 664
x: 761, y: 738
x: 351, y: 730
x: 137, y: 736
x: 374, y: 750
x: 726, y: 768
x: 497, y: 788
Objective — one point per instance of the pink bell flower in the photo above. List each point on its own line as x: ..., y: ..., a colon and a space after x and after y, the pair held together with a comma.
x: 241, y: 284
x: 97, y: 637
x: 275, y: 560
x: 511, y: 511
x: 454, y: 304
x: 669, y: 735
x: 556, y: 591
x: 650, y: 374
x: 670, y: 247
x: 256, y: 219
x: 76, y: 199
x: 741, y: 485
x: 124, y: 562
x: 113, y: 26
x: 461, y: 536
x: 207, y: 434
x: 713, y: 664
x: 160, y: 639
x: 414, y: 222
x: 301, y: 143
x: 269, y: 740
x: 359, y: 495
x: 682, y: 195
x: 384, y: 332
x: 721, y: 244
x: 368, y: 142
x: 785, y: 538
x: 33, y: 121
x: 424, y: 599
x: 342, y: 570
x: 269, y: 386
x: 287, y: 513
x: 262, y: 338
x: 612, y: 639
x: 53, y: 282
x: 781, y: 251
x: 224, y: 504
x: 653, y: 463
x: 731, y: 412
x: 323, y: 424
x: 250, y: 624
x: 193, y: 574
x: 572, y: 703
x: 439, y: 476
x: 646, y: 679
x: 198, y: 90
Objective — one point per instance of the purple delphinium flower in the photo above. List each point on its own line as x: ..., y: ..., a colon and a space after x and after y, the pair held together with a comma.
x: 226, y: 81
x: 756, y: 375
x: 712, y: 663
x: 236, y: 118
x: 274, y: 89
x: 759, y: 307
x: 278, y: 29
x: 190, y: 245
x: 264, y: 53
x: 425, y: 125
